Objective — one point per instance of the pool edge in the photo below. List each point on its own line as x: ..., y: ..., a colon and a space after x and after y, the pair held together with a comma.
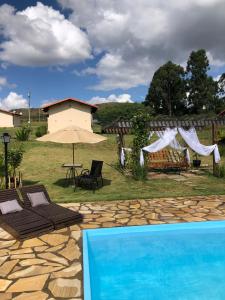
x: 86, y: 270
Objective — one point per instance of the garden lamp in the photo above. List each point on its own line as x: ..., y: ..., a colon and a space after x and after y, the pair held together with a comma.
x: 6, y: 140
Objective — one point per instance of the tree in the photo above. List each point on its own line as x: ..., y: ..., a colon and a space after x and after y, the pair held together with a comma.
x: 221, y: 93
x: 166, y: 94
x: 201, y: 88
x: 221, y: 86
x: 109, y: 112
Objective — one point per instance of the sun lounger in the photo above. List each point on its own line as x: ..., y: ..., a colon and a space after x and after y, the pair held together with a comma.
x: 22, y: 224
x: 60, y: 216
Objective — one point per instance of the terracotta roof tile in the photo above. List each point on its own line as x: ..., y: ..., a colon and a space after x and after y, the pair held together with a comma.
x: 9, y: 112
x: 47, y: 106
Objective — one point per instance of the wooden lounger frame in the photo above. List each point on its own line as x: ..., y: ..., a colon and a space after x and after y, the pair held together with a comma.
x: 23, y: 224
x: 59, y: 216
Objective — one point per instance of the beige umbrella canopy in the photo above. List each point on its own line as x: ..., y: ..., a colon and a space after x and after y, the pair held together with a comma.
x: 72, y: 135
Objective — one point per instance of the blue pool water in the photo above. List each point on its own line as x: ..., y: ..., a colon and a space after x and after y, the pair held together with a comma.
x: 179, y: 261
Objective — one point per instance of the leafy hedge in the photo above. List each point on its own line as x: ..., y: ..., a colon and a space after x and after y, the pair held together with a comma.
x: 41, y: 130
x: 23, y: 133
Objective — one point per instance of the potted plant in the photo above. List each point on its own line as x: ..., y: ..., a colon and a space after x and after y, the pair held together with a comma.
x: 196, y: 161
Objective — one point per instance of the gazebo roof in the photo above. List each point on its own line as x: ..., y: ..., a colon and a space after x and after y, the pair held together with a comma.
x: 124, y: 126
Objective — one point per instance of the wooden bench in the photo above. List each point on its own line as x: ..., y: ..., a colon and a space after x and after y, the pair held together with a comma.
x: 167, y: 160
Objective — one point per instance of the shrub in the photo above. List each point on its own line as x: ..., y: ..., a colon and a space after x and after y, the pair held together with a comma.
x: 221, y: 171
x: 222, y: 150
x: 2, y: 165
x: 15, y: 157
x: 23, y: 133
x: 2, y: 172
x: 41, y: 130
x: 139, y: 172
x: 128, y: 161
x: 140, y: 140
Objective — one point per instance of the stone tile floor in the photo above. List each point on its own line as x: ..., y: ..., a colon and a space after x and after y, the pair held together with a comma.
x: 50, y: 267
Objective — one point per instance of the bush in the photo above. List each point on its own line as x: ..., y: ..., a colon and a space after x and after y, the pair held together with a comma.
x: 140, y: 131
x: 222, y: 150
x: 221, y: 171
x: 41, y: 130
x: 23, y: 133
x: 139, y: 172
x: 15, y: 157
x: 2, y: 166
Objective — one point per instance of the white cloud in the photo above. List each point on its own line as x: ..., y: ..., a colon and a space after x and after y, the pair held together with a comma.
x: 115, y: 72
x: 123, y: 98
x: 40, y: 36
x: 4, y: 65
x: 135, y: 39
x: 47, y: 102
x: 217, y: 77
x: 13, y: 101
x: 4, y: 83
x: 215, y: 61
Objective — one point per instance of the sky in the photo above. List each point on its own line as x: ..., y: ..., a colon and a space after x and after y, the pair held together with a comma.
x: 100, y: 50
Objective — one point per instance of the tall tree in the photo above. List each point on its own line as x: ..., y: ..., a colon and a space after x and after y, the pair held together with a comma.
x: 201, y: 88
x: 221, y: 86
x: 166, y: 94
x: 221, y: 93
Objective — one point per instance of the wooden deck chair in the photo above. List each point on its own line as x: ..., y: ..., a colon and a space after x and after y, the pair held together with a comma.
x: 59, y: 216
x: 22, y: 224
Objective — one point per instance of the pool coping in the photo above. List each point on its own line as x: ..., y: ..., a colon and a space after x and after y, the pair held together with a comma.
x: 133, y: 229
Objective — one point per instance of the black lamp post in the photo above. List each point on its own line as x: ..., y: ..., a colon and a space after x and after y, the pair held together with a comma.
x: 6, y: 140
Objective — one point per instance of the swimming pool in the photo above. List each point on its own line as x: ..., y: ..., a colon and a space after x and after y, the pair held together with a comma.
x: 171, y: 261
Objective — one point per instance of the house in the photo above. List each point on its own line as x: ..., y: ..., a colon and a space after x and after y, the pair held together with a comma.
x: 67, y: 112
x: 9, y: 119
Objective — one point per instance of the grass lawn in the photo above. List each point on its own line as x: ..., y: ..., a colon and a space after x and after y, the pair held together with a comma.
x: 42, y: 164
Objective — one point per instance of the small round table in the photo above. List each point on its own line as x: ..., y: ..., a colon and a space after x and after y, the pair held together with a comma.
x: 72, y: 172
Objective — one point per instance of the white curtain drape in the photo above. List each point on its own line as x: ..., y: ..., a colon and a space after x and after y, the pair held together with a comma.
x: 191, y: 138
x: 174, y: 143
x: 167, y: 137
x: 123, y: 156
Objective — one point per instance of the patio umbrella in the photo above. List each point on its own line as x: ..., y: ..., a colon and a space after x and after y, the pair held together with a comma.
x: 72, y: 135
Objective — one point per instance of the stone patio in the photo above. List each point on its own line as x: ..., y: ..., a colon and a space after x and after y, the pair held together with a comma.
x: 50, y: 267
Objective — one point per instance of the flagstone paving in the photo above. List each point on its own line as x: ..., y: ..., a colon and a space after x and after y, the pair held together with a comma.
x: 50, y: 267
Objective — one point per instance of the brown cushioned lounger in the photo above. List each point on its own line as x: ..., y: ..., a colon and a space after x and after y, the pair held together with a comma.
x: 23, y: 224
x: 60, y: 216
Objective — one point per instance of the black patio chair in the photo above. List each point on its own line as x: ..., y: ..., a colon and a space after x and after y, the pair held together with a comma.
x: 93, y: 177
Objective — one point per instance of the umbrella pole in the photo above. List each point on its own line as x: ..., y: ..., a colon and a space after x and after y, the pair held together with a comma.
x: 74, y: 177
x: 73, y: 154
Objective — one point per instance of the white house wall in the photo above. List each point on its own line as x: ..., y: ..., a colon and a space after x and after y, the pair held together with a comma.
x: 68, y: 114
x: 6, y: 120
